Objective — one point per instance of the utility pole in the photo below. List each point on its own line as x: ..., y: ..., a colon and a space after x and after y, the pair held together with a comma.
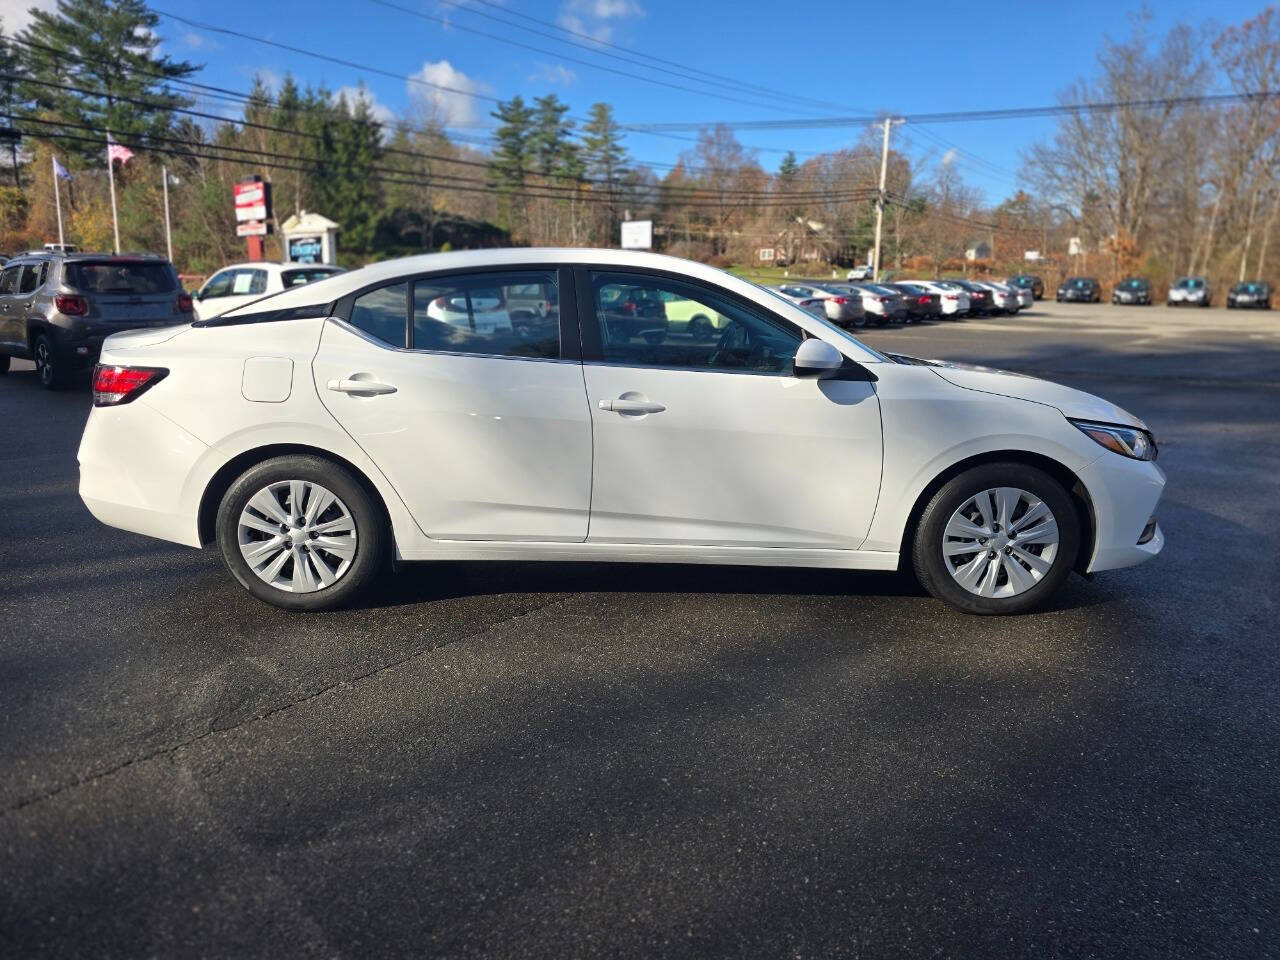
x: 168, y: 233
x: 884, y: 170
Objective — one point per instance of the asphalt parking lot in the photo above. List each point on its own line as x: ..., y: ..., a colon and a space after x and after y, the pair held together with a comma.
x: 570, y: 760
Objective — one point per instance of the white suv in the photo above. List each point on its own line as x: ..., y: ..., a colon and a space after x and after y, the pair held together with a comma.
x: 242, y: 283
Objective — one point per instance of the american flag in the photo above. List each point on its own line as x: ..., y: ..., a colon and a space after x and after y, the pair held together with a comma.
x: 117, y: 152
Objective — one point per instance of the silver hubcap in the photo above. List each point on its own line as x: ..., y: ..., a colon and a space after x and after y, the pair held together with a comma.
x: 1000, y: 542
x: 297, y: 536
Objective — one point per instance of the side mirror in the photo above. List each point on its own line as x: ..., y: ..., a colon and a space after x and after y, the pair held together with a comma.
x: 816, y: 358
x: 197, y: 295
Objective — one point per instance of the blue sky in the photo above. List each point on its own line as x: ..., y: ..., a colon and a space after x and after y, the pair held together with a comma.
x: 888, y: 56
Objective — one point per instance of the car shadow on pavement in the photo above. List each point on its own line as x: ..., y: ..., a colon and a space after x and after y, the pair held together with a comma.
x: 417, y: 583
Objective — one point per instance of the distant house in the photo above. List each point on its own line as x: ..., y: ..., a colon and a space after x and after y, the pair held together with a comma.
x: 978, y: 251
x: 801, y: 240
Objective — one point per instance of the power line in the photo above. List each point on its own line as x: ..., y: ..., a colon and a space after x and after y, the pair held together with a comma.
x: 585, y: 63
x: 594, y: 43
x: 215, y: 151
x: 954, y: 116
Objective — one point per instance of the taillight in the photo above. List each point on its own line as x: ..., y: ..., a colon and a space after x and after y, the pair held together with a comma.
x: 629, y: 306
x: 185, y: 304
x: 950, y: 296
x: 839, y: 300
x: 113, y: 385
x: 71, y: 305
x: 923, y: 300
x: 882, y: 299
x: 440, y: 303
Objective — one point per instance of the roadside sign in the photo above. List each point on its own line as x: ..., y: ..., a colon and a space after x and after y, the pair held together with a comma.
x: 1074, y: 246
x: 637, y: 235
x: 251, y: 228
x: 1031, y: 255
x: 252, y: 199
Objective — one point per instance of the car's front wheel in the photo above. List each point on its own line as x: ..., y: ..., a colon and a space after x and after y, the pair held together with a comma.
x: 997, y: 539
x: 302, y: 533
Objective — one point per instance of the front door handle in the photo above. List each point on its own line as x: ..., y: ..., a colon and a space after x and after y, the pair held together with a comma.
x: 369, y: 388
x: 622, y: 405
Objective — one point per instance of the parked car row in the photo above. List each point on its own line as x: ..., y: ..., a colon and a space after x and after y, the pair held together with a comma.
x: 904, y: 301
x: 1189, y: 291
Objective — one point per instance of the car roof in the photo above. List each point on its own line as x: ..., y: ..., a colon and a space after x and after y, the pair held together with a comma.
x: 275, y: 265
x: 500, y: 258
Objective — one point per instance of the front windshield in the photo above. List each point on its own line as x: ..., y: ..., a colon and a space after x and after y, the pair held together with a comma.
x: 1190, y: 283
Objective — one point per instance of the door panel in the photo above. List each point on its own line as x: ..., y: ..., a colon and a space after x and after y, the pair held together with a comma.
x: 478, y: 447
x: 733, y: 459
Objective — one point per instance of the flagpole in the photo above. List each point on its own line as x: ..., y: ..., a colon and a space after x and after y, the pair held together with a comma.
x: 168, y: 234
x: 111, y: 177
x: 57, y: 197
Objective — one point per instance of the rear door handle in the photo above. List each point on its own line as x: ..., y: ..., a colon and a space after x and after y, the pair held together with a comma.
x: 366, y: 387
x: 631, y: 406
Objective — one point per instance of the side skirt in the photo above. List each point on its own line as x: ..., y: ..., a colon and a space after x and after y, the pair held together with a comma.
x: 652, y: 553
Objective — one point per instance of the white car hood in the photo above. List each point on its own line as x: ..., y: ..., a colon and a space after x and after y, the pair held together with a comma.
x: 1073, y: 403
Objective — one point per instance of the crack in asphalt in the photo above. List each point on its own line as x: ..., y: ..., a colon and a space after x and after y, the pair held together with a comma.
x: 273, y: 711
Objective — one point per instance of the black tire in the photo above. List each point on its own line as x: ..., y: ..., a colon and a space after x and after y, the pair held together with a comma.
x: 49, y: 370
x: 5, y: 360
x: 926, y: 549
x: 700, y: 329
x: 372, y: 535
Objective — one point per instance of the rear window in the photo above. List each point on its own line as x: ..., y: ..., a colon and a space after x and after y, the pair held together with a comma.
x: 114, y: 276
x: 296, y: 278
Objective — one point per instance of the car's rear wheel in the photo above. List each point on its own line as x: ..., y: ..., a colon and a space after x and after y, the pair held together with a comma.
x: 48, y: 367
x: 700, y: 329
x: 302, y: 533
x: 997, y: 539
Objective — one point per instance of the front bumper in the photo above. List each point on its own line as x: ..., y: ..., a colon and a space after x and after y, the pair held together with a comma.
x: 1125, y: 494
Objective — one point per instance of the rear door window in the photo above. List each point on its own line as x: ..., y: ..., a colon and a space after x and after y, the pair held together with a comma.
x: 382, y: 313
x: 32, y: 277
x: 120, y: 276
x: 489, y: 315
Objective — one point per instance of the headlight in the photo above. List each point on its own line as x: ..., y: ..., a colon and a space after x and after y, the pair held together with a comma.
x: 1129, y: 442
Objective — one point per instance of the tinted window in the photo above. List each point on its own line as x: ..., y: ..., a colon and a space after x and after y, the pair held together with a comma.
x: 381, y: 313
x: 637, y: 329
x: 32, y: 277
x: 219, y: 285
x: 496, y: 314
x: 296, y: 278
x: 9, y: 279
x: 120, y: 276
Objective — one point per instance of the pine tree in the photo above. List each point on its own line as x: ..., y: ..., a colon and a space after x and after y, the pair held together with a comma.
x: 12, y: 69
x: 511, y: 158
x: 107, y: 50
x: 349, y: 191
x: 605, y: 161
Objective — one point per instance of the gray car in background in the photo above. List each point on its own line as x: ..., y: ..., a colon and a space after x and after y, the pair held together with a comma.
x: 841, y: 304
x: 56, y: 308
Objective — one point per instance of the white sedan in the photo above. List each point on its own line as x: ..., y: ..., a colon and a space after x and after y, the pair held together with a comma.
x: 316, y: 435
x: 242, y: 283
x: 955, y: 298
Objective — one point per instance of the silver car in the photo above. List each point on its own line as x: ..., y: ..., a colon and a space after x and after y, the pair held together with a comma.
x: 1003, y: 297
x: 841, y: 304
x: 56, y: 308
x: 1190, y: 290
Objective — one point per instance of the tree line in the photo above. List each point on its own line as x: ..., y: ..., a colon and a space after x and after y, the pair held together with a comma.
x: 1160, y: 188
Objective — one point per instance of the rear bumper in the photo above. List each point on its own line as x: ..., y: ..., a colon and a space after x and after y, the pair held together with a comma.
x: 137, y: 472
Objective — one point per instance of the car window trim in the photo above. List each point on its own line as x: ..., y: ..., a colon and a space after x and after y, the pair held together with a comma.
x: 570, y: 340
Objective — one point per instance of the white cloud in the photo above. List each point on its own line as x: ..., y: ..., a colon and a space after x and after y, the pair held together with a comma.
x: 555, y: 74
x: 594, y: 18
x: 15, y: 15
x: 949, y: 157
x: 381, y: 112
x: 451, y: 106
x: 198, y: 41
